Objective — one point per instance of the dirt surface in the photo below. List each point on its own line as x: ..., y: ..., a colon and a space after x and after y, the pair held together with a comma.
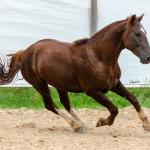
x: 42, y: 130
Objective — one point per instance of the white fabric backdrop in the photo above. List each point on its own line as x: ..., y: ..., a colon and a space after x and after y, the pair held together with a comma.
x: 22, y: 22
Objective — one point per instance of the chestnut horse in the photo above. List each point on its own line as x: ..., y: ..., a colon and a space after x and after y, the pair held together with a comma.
x: 88, y: 65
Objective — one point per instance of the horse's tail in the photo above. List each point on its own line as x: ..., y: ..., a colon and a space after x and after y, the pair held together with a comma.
x: 8, y: 70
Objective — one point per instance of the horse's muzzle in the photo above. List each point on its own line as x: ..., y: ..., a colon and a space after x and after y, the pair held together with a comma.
x: 148, y: 58
x: 145, y: 60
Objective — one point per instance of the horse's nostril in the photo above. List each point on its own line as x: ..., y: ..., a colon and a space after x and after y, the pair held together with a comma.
x: 148, y: 58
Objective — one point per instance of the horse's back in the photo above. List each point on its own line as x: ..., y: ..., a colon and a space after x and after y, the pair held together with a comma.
x: 50, y: 42
x: 47, y: 50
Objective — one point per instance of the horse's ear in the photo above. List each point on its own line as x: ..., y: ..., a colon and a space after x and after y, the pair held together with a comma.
x: 131, y: 20
x: 140, y: 17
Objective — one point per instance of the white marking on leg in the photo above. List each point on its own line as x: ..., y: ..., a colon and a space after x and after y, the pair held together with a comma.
x: 74, y: 114
x: 143, y: 117
x: 74, y: 124
x: 145, y: 121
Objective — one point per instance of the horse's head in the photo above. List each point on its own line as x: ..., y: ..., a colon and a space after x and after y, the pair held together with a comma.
x: 134, y: 39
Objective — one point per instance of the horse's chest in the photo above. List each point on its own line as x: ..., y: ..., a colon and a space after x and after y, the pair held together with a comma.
x: 100, y: 79
x: 111, y: 81
x: 106, y: 80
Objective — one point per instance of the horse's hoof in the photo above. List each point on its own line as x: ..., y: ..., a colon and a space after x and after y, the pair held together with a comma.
x: 101, y: 122
x: 98, y: 124
x: 80, y: 129
x: 146, y: 127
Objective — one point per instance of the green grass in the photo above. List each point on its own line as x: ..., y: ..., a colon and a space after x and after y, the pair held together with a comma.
x: 29, y: 98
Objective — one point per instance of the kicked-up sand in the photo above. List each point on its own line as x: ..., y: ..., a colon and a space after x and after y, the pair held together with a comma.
x: 25, y: 129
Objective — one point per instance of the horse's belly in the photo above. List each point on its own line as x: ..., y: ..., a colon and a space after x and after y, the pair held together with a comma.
x: 65, y: 85
x: 61, y: 80
x: 102, y: 83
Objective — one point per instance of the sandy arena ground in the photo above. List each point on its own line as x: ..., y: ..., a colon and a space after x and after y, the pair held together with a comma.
x: 42, y: 130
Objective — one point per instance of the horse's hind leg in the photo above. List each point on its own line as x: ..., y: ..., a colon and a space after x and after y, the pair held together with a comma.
x: 49, y: 104
x: 100, y: 98
x: 64, y: 99
x: 42, y: 87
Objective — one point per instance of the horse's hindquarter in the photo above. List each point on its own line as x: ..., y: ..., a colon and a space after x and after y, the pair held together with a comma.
x: 55, y: 66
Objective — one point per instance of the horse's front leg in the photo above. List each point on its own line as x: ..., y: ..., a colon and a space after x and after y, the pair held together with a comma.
x: 103, y: 100
x: 122, y: 91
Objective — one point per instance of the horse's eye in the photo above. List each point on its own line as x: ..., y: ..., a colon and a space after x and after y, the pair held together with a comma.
x: 137, y: 34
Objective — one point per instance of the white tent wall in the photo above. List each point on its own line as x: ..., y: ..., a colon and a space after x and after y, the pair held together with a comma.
x: 22, y: 22
x: 133, y: 72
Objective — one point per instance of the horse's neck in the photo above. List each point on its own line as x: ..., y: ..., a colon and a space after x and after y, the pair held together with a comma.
x: 108, y: 46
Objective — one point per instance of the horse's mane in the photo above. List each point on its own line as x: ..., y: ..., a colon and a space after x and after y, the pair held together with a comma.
x: 107, y: 28
x: 101, y: 32
x: 80, y: 42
